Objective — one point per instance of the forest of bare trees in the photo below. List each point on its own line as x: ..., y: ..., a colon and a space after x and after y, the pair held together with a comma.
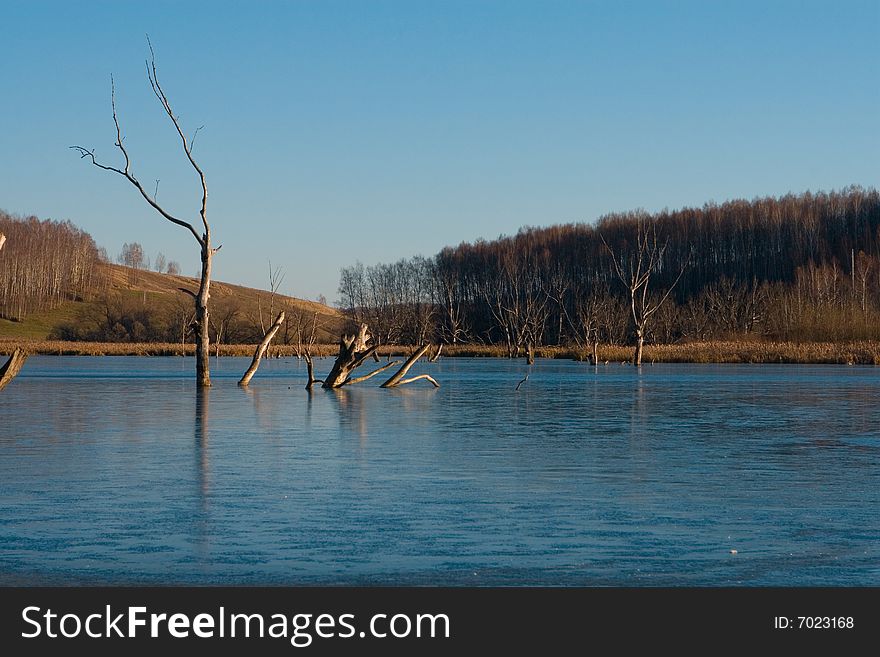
x: 45, y: 263
x: 799, y: 267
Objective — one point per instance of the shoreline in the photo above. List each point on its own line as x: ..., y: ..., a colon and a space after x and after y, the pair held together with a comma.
x: 863, y: 352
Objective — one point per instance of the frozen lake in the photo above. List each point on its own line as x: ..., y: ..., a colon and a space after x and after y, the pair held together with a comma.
x: 115, y: 470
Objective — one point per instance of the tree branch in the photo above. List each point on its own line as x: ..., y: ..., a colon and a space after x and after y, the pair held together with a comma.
x: 350, y: 381
x: 395, y: 380
x: 430, y: 378
x: 153, y: 76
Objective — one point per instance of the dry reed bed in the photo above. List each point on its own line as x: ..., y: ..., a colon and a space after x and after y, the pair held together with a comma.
x: 851, y: 353
x: 61, y: 348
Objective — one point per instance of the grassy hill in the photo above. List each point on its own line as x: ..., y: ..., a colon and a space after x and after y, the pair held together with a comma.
x: 163, y: 291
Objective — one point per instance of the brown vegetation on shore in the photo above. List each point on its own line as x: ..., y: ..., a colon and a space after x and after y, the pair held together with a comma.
x: 844, y: 353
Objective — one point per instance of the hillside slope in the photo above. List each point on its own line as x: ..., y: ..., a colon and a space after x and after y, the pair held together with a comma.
x: 164, y: 291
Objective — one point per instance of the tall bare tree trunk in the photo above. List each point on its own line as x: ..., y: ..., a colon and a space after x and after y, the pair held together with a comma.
x: 640, y: 342
x: 203, y: 353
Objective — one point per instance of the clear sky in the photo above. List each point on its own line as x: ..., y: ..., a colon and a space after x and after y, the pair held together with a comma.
x: 374, y: 130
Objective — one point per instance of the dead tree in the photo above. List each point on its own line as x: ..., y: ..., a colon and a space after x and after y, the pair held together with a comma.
x: 261, y: 349
x: 12, y: 367
x: 398, y: 380
x: 635, y: 270
x: 310, y: 342
x: 311, y: 367
x: 588, y: 312
x: 203, y: 378
x: 276, y: 277
x: 353, y: 351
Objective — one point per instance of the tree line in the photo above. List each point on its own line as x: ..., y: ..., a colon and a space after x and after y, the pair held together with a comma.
x: 797, y: 267
x: 44, y: 263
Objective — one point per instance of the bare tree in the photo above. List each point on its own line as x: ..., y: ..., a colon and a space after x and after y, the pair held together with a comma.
x: 221, y: 319
x: 590, y: 313
x: 160, y: 262
x: 635, y: 269
x: 863, y: 265
x: 354, y: 350
x: 203, y: 377
x: 309, y: 343
x: 132, y: 255
x: 276, y: 277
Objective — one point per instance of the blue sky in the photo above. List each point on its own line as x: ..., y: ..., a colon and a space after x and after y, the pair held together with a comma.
x: 375, y: 130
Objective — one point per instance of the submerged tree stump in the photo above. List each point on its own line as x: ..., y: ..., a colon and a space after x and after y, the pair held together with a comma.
x: 353, y: 351
x: 12, y: 366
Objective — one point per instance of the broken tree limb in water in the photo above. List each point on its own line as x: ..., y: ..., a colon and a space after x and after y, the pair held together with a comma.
x: 433, y: 359
x: 12, y: 366
x: 261, y: 349
x: 398, y: 380
x: 349, y: 381
x: 311, y: 367
x: 353, y: 351
x: 428, y: 377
